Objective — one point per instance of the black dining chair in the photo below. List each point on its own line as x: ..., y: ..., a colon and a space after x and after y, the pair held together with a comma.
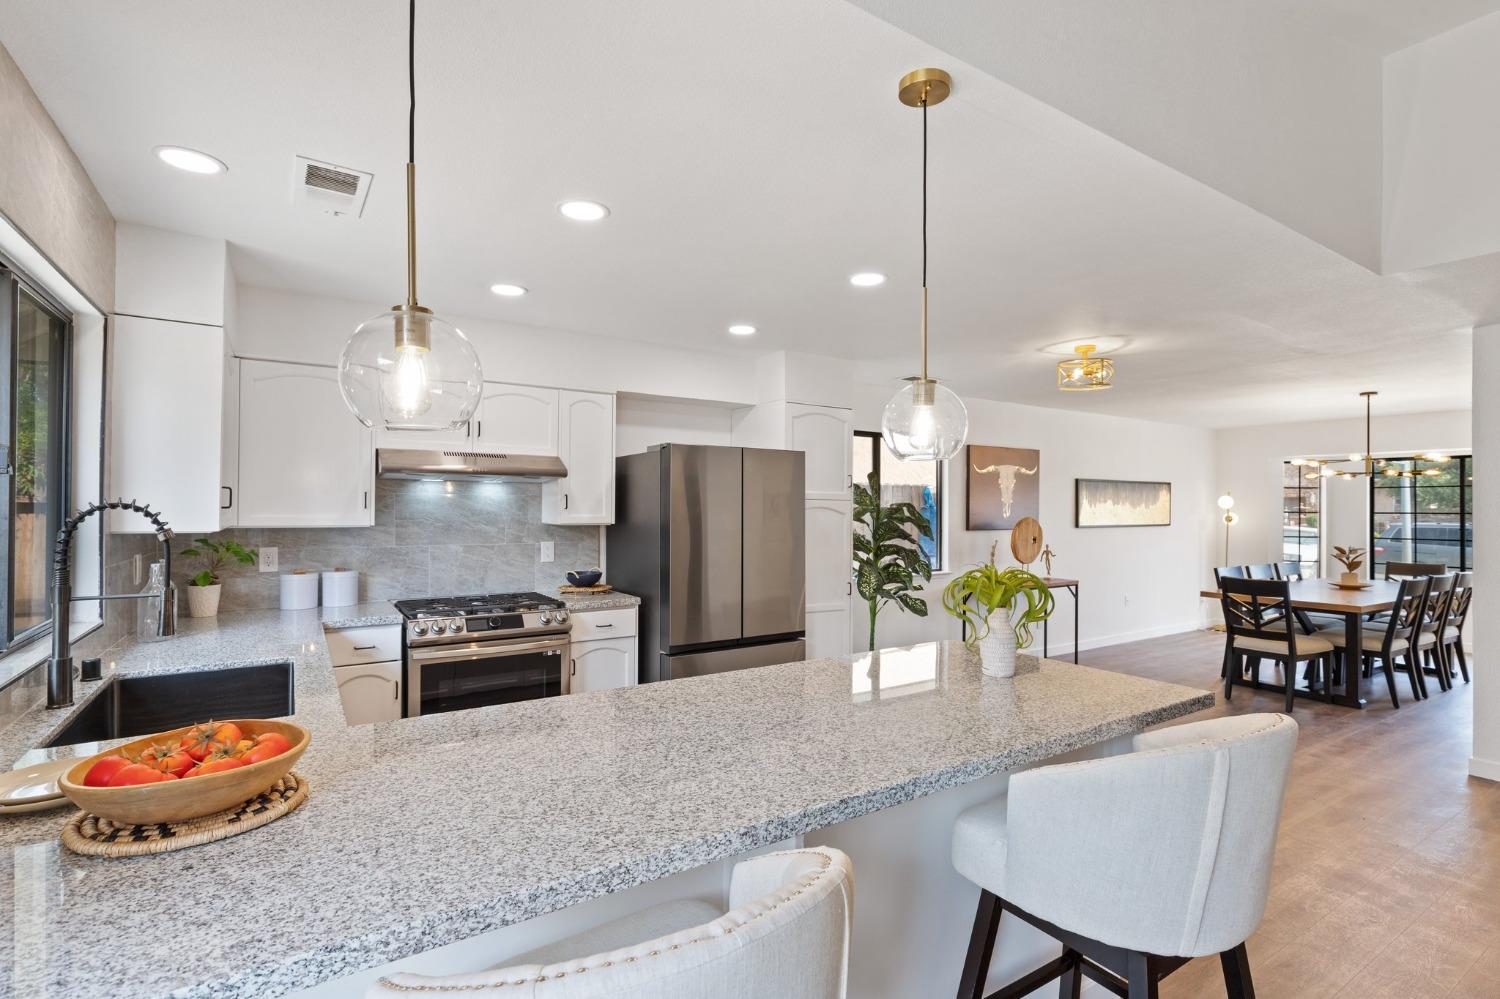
x: 1229, y: 572
x: 1452, y: 638
x: 1267, y: 571
x: 1256, y: 616
x: 1429, y: 638
x: 1396, y: 637
x: 1406, y: 570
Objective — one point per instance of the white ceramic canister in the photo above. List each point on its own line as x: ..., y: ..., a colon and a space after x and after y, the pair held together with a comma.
x: 340, y: 587
x: 299, y: 589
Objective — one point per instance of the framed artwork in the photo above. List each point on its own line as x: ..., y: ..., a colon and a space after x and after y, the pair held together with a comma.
x: 1004, y: 486
x: 1122, y: 503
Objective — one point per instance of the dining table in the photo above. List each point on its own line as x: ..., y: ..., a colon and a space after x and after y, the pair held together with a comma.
x: 1353, y: 606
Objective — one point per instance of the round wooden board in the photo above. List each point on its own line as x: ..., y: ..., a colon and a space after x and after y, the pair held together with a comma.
x: 1026, y: 540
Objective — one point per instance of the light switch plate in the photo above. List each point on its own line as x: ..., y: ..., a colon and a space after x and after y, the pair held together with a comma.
x: 267, y: 560
x: 546, y: 555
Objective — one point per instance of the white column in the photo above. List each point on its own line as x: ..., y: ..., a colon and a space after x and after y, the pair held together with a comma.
x: 1486, y: 608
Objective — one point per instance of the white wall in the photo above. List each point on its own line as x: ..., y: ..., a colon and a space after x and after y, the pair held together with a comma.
x: 642, y: 422
x: 1249, y: 463
x: 1136, y: 582
x: 1442, y: 148
x: 1485, y: 761
x: 284, y: 326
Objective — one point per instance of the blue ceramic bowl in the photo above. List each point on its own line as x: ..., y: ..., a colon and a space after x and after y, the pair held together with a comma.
x: 584, y: 577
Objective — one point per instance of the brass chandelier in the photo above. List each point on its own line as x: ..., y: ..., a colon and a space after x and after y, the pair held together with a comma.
x: 1085, y: 373
x: 1369, y: 465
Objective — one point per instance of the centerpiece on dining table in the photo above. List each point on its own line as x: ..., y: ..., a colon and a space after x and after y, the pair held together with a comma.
x: 1351, y: 559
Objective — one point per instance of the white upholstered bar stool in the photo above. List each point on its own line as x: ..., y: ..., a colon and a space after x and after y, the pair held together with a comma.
x: 786, y: 935
x: 1136, y: 863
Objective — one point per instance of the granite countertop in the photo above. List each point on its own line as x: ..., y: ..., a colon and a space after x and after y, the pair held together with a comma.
x: 422, y: 832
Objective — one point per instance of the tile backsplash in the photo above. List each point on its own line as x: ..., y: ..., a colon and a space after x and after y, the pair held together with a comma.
x: 429, y: 539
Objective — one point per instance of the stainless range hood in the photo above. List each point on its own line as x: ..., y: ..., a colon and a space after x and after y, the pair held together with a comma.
x: 397, y: 463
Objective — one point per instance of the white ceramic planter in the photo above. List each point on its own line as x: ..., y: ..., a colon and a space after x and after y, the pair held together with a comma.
x: 1349, y: 578
x: 997, y: 649
x: 203, y: 601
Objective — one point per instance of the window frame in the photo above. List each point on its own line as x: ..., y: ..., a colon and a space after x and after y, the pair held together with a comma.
x: 1303, y: 486
x: 1465, y: 510
x: 13, y: 283
x: 939, y: 498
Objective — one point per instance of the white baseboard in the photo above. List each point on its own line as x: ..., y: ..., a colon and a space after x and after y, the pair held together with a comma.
x: 1057, y: 648
x: 1488, y: 769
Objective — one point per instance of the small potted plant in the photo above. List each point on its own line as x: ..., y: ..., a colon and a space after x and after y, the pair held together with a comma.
x: 1351, y: 559
x: 988, y: 599
x: 203, y: 588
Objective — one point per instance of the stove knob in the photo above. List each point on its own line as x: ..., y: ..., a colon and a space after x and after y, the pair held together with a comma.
x: 545, y: 617
x: 455, y: 626
x: 419, y: 629
x: 494, y: 622
x: 561, y: 617
x: 438, y: 627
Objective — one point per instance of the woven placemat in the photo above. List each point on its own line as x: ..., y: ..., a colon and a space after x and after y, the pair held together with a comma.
x: 596, y: 588
x: 95, y: 837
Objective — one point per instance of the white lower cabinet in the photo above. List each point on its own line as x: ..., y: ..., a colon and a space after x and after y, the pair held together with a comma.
x: 603, y: 665
x: 370, y: 692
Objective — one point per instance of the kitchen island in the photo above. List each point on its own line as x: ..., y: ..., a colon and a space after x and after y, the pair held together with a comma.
x: 426, y: 832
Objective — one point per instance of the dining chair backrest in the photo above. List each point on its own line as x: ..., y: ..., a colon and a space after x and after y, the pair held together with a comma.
x: 1258, y: 608
x: 1291, y: 571
x: 1266, y: 571
x: 1403, y: 570
x: 1463, y: 592
x: 1229, y: 572
x: 1439, y: 599
x: 1407, y: 614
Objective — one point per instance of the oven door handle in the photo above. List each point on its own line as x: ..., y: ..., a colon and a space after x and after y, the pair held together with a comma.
x: 469, y: 653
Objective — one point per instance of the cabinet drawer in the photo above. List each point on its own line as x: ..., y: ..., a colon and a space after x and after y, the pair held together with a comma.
x: 364, y: 645
x: 591, y: 625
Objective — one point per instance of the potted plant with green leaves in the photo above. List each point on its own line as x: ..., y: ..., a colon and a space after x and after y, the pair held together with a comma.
x: 989, y: 600
x: 1351, y: 559
x: 888, y: 557
x: 204, y: 587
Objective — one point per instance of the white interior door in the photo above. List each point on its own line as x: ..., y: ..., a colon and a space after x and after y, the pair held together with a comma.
x: 305, y: 461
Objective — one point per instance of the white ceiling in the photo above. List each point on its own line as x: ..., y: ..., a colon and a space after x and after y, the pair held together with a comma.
x: 753, y: 155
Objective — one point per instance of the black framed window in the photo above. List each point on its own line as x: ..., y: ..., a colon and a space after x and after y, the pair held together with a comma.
x: 35, y: 347
x: 1301, y: 520
x: 919, y: 483
x: 1424, y: 517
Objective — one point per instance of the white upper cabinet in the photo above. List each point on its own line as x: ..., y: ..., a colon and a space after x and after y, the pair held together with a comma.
x: 166, y: 414
x: 586, y: 444
x: 305, y: 461
x: 826, y: 435
x: 517, y: 419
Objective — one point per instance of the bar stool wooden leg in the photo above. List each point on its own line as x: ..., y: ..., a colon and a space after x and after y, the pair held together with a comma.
x: 1142, y: 983
x: 1070, y: 984
x: 981, y: 946
x: 1236, y: 964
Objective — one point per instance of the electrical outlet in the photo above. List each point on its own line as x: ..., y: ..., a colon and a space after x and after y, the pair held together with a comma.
x: 267, y: 560
x: 546, y: 555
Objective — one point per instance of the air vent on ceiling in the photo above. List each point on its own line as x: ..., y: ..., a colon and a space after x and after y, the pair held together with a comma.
x: 331, y: 189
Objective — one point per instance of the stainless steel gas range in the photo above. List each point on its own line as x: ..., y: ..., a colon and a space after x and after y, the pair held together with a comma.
x: 471, y: 651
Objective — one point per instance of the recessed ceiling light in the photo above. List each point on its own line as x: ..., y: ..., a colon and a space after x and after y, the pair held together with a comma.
x: 866, y: 279
x: 742, y: 329
x: 189, y: 159
x: 508, y: 290
x: 583, y: 211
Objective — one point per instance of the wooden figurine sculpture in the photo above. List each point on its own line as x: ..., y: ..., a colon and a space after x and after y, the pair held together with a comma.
x: 1047, y: 556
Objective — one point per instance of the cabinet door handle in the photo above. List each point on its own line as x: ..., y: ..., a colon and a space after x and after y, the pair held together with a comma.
x: 367, y: 499
x: 565, y: 501
x: 365, y: 648
x: 603, y: 626
x: 572, y: 667
x: 849, y: 589
x: 226, y: 506
x: 395, y: 690
x: 478, y: 428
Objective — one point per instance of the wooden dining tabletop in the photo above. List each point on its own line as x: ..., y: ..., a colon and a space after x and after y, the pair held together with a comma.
x: 1321, y: 595
x: 1352, y: 605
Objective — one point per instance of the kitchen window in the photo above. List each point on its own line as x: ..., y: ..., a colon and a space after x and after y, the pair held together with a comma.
x: 919, y: 483
x: 1424, y: 517
x: 1301, y: 520
x: 35, y: 345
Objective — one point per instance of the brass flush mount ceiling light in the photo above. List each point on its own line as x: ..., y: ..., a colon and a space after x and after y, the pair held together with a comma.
x: 924, y: 421
x: 408, y: 369
x: 1085, y: 373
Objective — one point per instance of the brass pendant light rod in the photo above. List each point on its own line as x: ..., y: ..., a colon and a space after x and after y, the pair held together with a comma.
x: 925, y: 90
x: 922, y: 88
x: 411, y: 158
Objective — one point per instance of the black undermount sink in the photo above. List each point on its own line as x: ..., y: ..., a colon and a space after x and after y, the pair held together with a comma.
x: 133, y: 706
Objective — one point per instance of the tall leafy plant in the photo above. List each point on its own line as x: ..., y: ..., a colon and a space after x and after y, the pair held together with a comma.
x: 888, y: 560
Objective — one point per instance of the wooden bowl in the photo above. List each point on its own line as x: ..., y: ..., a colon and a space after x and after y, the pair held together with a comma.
x: 180, y: 800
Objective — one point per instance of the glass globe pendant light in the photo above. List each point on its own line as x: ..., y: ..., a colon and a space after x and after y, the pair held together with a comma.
x: 408, y: 369
x: 925, y: 421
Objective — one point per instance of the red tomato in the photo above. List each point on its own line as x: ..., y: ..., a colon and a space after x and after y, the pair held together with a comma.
x: 261, y: 753
x: 104, y: 770
x: 138, y: 773
x: 210, y: 737
x: 228, y: 733
x: 279, y: 742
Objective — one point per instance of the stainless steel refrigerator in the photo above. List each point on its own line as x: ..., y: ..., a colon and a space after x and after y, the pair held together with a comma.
x: 711, y: 540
